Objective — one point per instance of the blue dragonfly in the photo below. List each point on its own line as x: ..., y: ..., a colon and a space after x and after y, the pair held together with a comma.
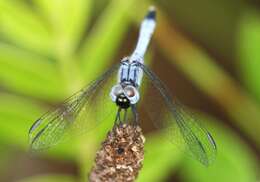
x: 117, y: 92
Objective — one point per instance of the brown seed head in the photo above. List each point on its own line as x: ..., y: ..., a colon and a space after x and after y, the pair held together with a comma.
x: 121, y: 155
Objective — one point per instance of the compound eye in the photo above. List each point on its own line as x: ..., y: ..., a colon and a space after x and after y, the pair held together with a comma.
x: 132, y: 94
x: 130, y: 91
x: 115, y: 91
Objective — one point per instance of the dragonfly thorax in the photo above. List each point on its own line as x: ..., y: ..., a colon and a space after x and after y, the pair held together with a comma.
x: 130, y: 72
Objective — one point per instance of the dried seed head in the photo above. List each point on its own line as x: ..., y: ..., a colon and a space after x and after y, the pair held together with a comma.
x: 121, y: 155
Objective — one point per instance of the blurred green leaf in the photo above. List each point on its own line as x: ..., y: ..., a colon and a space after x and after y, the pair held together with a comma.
x: 160, y: 159
x: 234, y: 162
x: 29, y: 74
x: 105, y: 38
x: 248, y: 49
x: 49, y: 178
x: 16, y: 116
x: 22, y: 26
x: 68, y: 20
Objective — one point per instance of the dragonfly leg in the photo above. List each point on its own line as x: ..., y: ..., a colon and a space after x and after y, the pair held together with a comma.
x: 134, y: 110
x: 125, y: 116
x: 118, y: 118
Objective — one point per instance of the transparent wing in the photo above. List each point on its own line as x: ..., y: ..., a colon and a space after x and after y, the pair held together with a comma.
x: 79, y: 113
x: 181, y: 127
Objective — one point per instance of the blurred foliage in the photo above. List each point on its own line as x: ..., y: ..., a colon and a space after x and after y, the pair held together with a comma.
x: 50, y: 49
x: 235, y: 160
x: 248, y: 50
x: 49, y: 178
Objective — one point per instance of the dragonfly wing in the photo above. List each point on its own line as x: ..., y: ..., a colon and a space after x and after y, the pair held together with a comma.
x: 180, y: 125
x: 79, y: 113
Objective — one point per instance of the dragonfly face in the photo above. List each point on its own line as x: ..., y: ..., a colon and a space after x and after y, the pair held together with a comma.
x: 124, y: 95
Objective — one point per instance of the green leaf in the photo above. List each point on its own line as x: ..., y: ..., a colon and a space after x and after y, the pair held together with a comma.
x: 105, y: 38
x: 68, y: 19
x: 49, y: 178
x: 29, y: 74
x: 234, y: 162
x: 16, y: 116
x: 248, y: 48
x: 22, y: 26
x: 160, y: 159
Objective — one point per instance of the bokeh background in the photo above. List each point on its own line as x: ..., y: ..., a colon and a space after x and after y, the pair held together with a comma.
x: 206, y: 51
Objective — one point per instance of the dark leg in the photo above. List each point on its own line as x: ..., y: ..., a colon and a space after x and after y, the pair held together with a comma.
x: 125, y: 116
x: 134, y: 110
x: 117, y: 119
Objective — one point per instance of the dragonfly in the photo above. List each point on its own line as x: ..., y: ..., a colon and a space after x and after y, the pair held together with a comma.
x: 118, y: 91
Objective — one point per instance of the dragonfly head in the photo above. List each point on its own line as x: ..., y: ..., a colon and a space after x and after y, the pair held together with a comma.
x: 124, y: 95
x: 122, y: 101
